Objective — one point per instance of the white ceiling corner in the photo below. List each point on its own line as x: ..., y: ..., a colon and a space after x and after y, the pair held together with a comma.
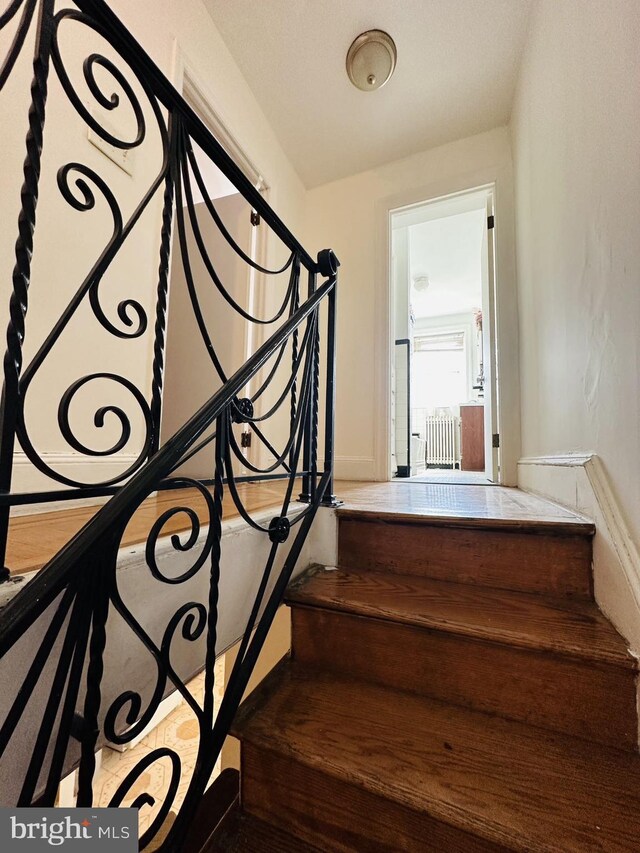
x: 457, y: 66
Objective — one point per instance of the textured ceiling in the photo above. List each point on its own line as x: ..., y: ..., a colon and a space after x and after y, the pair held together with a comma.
x: 457, y: 66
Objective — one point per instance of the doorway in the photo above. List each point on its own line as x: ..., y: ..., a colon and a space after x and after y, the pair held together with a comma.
x: 444, y: 395
x: 190, y: 375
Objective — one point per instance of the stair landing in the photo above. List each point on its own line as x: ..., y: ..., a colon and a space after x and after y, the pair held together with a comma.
x: 477, y: 506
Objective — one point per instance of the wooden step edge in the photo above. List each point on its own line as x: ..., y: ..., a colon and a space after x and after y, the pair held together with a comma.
x: 483, y: 824
x: 547, y: 527
x: 438, y: 809
x: 245, y: 833
x: 217, y: 807
x: 259, y: 695
x: 597, y: 659
x: 297, y: 597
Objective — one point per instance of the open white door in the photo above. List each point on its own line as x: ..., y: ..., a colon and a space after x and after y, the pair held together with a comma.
x: 443, y: 304
x: 491, y: 436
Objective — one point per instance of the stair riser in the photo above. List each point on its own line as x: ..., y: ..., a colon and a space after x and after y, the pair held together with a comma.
x: 536, y: 687
x: 331, y: 814
x: 528, y: 562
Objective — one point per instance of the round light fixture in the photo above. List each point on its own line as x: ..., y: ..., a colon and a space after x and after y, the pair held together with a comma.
x: 371, y: 60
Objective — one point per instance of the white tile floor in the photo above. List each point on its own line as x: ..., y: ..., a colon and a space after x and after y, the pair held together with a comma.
x: 178, y: 732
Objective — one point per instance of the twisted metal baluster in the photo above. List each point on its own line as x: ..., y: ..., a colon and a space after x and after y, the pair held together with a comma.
x: 294, y: 349
x: 307, y: 492
x: 216, y: 551
x: 313, y: 479
x: 163, y: 288
x: 101, y: 575
x: 21, y: 277
x: 6, y: 66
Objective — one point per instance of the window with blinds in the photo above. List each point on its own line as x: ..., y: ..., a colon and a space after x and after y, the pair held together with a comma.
x: 445, y: 342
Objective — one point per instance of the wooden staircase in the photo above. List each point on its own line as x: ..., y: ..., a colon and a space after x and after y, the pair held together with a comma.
x: 452, y: 687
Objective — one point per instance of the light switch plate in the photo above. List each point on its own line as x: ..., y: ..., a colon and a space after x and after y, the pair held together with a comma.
x: 122, y: 157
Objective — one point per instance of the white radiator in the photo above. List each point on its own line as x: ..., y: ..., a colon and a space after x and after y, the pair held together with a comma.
x: 441, y: 440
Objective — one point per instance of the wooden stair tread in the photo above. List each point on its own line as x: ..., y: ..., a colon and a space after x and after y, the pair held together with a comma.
x: 505, y: 782
x: 496, y: 507
x: 577, y: 527
x: 570, y: 627
x: 247, y: 834
x: 478, y: 505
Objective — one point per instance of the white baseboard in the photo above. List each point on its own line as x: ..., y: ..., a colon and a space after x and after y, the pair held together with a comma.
x: 56, y: 506
x: 75, y: 466
x: 579, y: 481
x: 354, y: 468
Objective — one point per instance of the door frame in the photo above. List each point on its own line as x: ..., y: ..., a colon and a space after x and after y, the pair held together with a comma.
x: 505, y: 314
x: 201, y: 99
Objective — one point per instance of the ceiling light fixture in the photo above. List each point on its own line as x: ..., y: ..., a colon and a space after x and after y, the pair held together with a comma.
x: 371, y: 60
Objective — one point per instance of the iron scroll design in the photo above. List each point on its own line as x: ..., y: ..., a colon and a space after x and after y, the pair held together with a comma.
x: 115, y: 79
x: 80, y: 187
x: 69, y: 609
x: 122, y: 83
x: 72, y: 615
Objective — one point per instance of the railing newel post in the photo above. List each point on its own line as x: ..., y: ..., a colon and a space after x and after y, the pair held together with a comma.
x: 328, y: 265
x: 309, y: 452
x: 295, y: 304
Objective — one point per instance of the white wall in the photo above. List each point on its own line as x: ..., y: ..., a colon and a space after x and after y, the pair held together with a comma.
x: 67, y: 241
x: 351, y: 216
x: 576, y: 143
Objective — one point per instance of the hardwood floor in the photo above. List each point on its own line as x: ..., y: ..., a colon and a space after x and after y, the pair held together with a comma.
x: 34, y: 539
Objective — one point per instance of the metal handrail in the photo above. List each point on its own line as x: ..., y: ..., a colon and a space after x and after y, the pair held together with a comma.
x: 44, y: 587
x: 79, y: 587
x: 179, y: 130
x: 166, y: 92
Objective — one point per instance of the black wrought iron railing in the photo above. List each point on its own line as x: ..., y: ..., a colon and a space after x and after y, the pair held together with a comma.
x: 67, y: 689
